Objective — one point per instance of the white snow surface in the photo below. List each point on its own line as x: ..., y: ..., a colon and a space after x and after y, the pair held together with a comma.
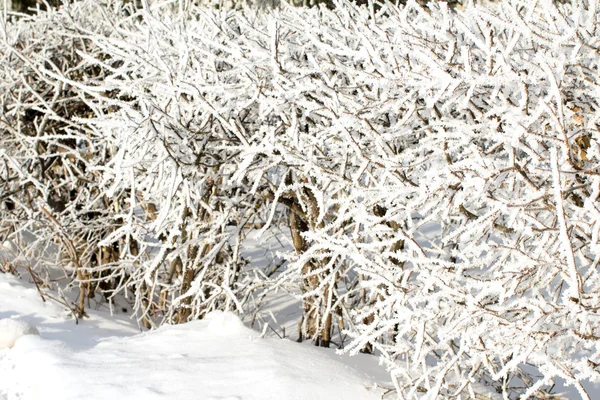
x: 106, y: 357
x: 12, y: 329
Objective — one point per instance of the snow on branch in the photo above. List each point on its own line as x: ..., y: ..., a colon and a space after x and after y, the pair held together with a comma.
x: 436, y: 172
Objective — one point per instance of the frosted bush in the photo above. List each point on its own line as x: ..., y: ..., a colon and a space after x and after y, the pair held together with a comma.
x: 437, y: 173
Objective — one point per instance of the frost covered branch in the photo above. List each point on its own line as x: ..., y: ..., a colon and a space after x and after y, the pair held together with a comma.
x: 437, y: 172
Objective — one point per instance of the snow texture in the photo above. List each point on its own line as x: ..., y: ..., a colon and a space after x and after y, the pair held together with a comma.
x: 217, y: 358
x: 12, y: 329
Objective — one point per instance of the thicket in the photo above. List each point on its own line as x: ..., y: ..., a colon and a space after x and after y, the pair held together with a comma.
x: 436, y: 173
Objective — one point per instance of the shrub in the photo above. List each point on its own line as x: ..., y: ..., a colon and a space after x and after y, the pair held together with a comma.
x: 436, y: 171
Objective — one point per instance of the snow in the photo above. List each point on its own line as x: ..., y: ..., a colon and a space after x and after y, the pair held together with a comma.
x: 442, y: 167
x: 13, y: 329
x: 106, y: 357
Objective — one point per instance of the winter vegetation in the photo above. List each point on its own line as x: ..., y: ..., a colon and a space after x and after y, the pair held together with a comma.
x: 432, y: 174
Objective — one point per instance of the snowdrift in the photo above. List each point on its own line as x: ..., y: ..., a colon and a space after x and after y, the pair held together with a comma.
x: 12, y: 329
x: 217, y: 358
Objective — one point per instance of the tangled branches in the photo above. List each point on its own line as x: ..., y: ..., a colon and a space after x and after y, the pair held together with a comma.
x: 436, y: 172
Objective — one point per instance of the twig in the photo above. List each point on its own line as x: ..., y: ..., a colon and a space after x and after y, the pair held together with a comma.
x: 36, y: 283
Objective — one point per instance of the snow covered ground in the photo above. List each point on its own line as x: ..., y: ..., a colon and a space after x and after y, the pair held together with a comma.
x: 106, y: 357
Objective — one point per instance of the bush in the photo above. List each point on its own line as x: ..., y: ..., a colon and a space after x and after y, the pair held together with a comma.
x: 436, y: 171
